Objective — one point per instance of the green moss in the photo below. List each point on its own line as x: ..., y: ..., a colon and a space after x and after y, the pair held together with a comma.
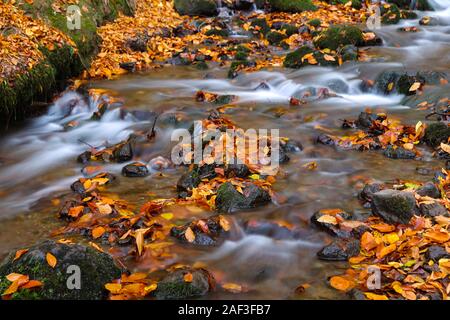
x: 261, y: 25
x: 289, y: 29
x: 315, y: 22
x: 292, y: 5
x: 436, y: 133
x: 390, y: 14
x: 355, y: 3
x: 337, y: 36
x: 275, y: 37
x: 196, y: 7
x: 294, y: 59
x: 232, y: 72
x: 240, y: 55
x: 217, y: 32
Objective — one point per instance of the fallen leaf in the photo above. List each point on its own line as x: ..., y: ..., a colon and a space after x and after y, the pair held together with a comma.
x: 19, y: 253
x: 188, y: 277
x: 98, y: 232
x: 189, y: 235
x: 51, y: 259
x: 341, y: 283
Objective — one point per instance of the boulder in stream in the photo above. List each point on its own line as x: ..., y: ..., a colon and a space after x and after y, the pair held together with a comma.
x: 175, y: 287
x: 394, y: 206
x: 412, y: 4
x: 230, y: 200
x: 96, y: 269
x: 292, y: 5
x: 435, y: 133
x: 335, y: 37
x: 339, y: 250
x: 135, y: 169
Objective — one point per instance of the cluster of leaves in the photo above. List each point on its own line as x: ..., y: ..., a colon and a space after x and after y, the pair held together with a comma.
x: 21, y: 39
x: 381, y: 133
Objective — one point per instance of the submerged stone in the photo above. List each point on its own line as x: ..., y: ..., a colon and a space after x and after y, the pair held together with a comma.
x: 339, y: 250
x: 230, y: 200
x: 135, y: 169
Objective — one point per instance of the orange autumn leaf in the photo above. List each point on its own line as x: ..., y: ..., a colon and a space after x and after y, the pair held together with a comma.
x: 385, y: 250
x: 373, y: 296
x: 383, y: 227
x: 32, y: 284
x: 51, y: 259
x: 19, y: 253
x: 232, y: 287
x: 341, y: 283
x: 11, y: 289
x: 368, y: 241
x: 114, y: 288
x: 189, y: 235
x: 188, y: 277
x: 437, y: 236
x: 98, y: 232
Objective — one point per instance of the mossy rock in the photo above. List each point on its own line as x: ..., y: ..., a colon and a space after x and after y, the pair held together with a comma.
x: 235, y: 65
x: 390, y: 14
x: 275, y: 37
x: 230, y: 200
x: 315, y: 22
x: 355, y: 3
x: 337, y: 36
x: 217, y: 32
x: 294, y: 59
x: 260, y: 25
x: 394, y: 206
x: 206, y: 8
x: 435, y: 133
x: 174, y: 286
x: 96, y: 269
x: 292, y: 5
x: 349, y: 53
x: 407, y: 14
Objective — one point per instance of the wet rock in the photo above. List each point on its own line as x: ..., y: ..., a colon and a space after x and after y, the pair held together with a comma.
x: 174, y: 286
x: 429, y: 21
x: 394, y: 206
x: 435, y: 133
x: 159, y: 164
x: 262, y: 86
x: 369, y: 190
x: 432, y: 209
x: 208, y: 232
x: 129, y: 66
x: 424, y: 171
x: 85, y: 157
x: 65, y: 210
x: 325, y: 139
x: 398, y: 153
x: 408, y: 14
x: 339, y: 250
x: 292, y: 5
x: 296, y: 59
x: 236, y: 66
x: 97, y: 269
x: 436, y: 253
x: 401, y: 81
x: 144, y: 115
x: 289, y: 29
x: 206, y: 8
x: 331, y: 227
x: 135, y: 169
x: 229, y: 200
x: 429, y: 189
x: 349, y: 53
x: 123, y: 152
x: 78, y: 186
x: 244, y: 4
x: 291, y: 146
x: 193, y: 177
x: 217, y: 32
x: 315, y: 22
x: 365, y: 120
x: 138, y: 43
x: 237, y: 170
x: 275, y: 37
x: 335, y: 37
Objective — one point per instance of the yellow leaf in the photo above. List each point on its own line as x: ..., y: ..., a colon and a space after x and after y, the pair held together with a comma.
x: 224, y: 223
x: 232, y: 287
x: 415, y: 86
x: 373, y: 296
x: 390, y: 86
x: 167, y: 216
x: 189, y: 235
x: 114, y: 288
x: 51, y: 260
x: 327, y: 219
x: 445, y: 147
x: 328, y: 57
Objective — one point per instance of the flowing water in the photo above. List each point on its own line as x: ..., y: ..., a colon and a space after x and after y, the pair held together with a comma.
x: 38, y: 161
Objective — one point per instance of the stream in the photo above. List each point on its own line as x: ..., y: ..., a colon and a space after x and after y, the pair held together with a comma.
x: 38, y: 160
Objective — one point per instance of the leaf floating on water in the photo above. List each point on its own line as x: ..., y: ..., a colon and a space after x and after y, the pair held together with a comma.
x: 51, y: 259
x: 232, y: 287
x: 341, y: 283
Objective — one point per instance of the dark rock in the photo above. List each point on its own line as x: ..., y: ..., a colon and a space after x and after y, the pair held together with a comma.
x: 394, y: 206
x: 260, y: 25
x: 294, y: 59
x: 435, y: 133
x: 412, y: 4
x: 429, y: 189
x: 65, y: 209
x: 237, y: 170
x: 85, y: 157
x: 217, y: 32
x: 369, y: 190
x: 331, y: 228
x: 193, y: 177
x: 275, y: 37
x: 390, y: 14
x: 229, y: 200
x: 138, y: 43
x: 208, y: 232
x: 325, y: 139
x: 262, y: 86
x: 335, y: 37
x: 436, y: 253
x: 398, y: 153
x: 96, y: 268
x: 365, y: 120
x: 289, y: 29
x: 349, y: 53
x: 173, y: 286
x: 291, y: 146
x: 135, y: 169
x: 339, y: 250
x: 206, y: 8
x: 123, y: 152
x: 244, y: 4
x: 429, y: 21
x: 432, y: 209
